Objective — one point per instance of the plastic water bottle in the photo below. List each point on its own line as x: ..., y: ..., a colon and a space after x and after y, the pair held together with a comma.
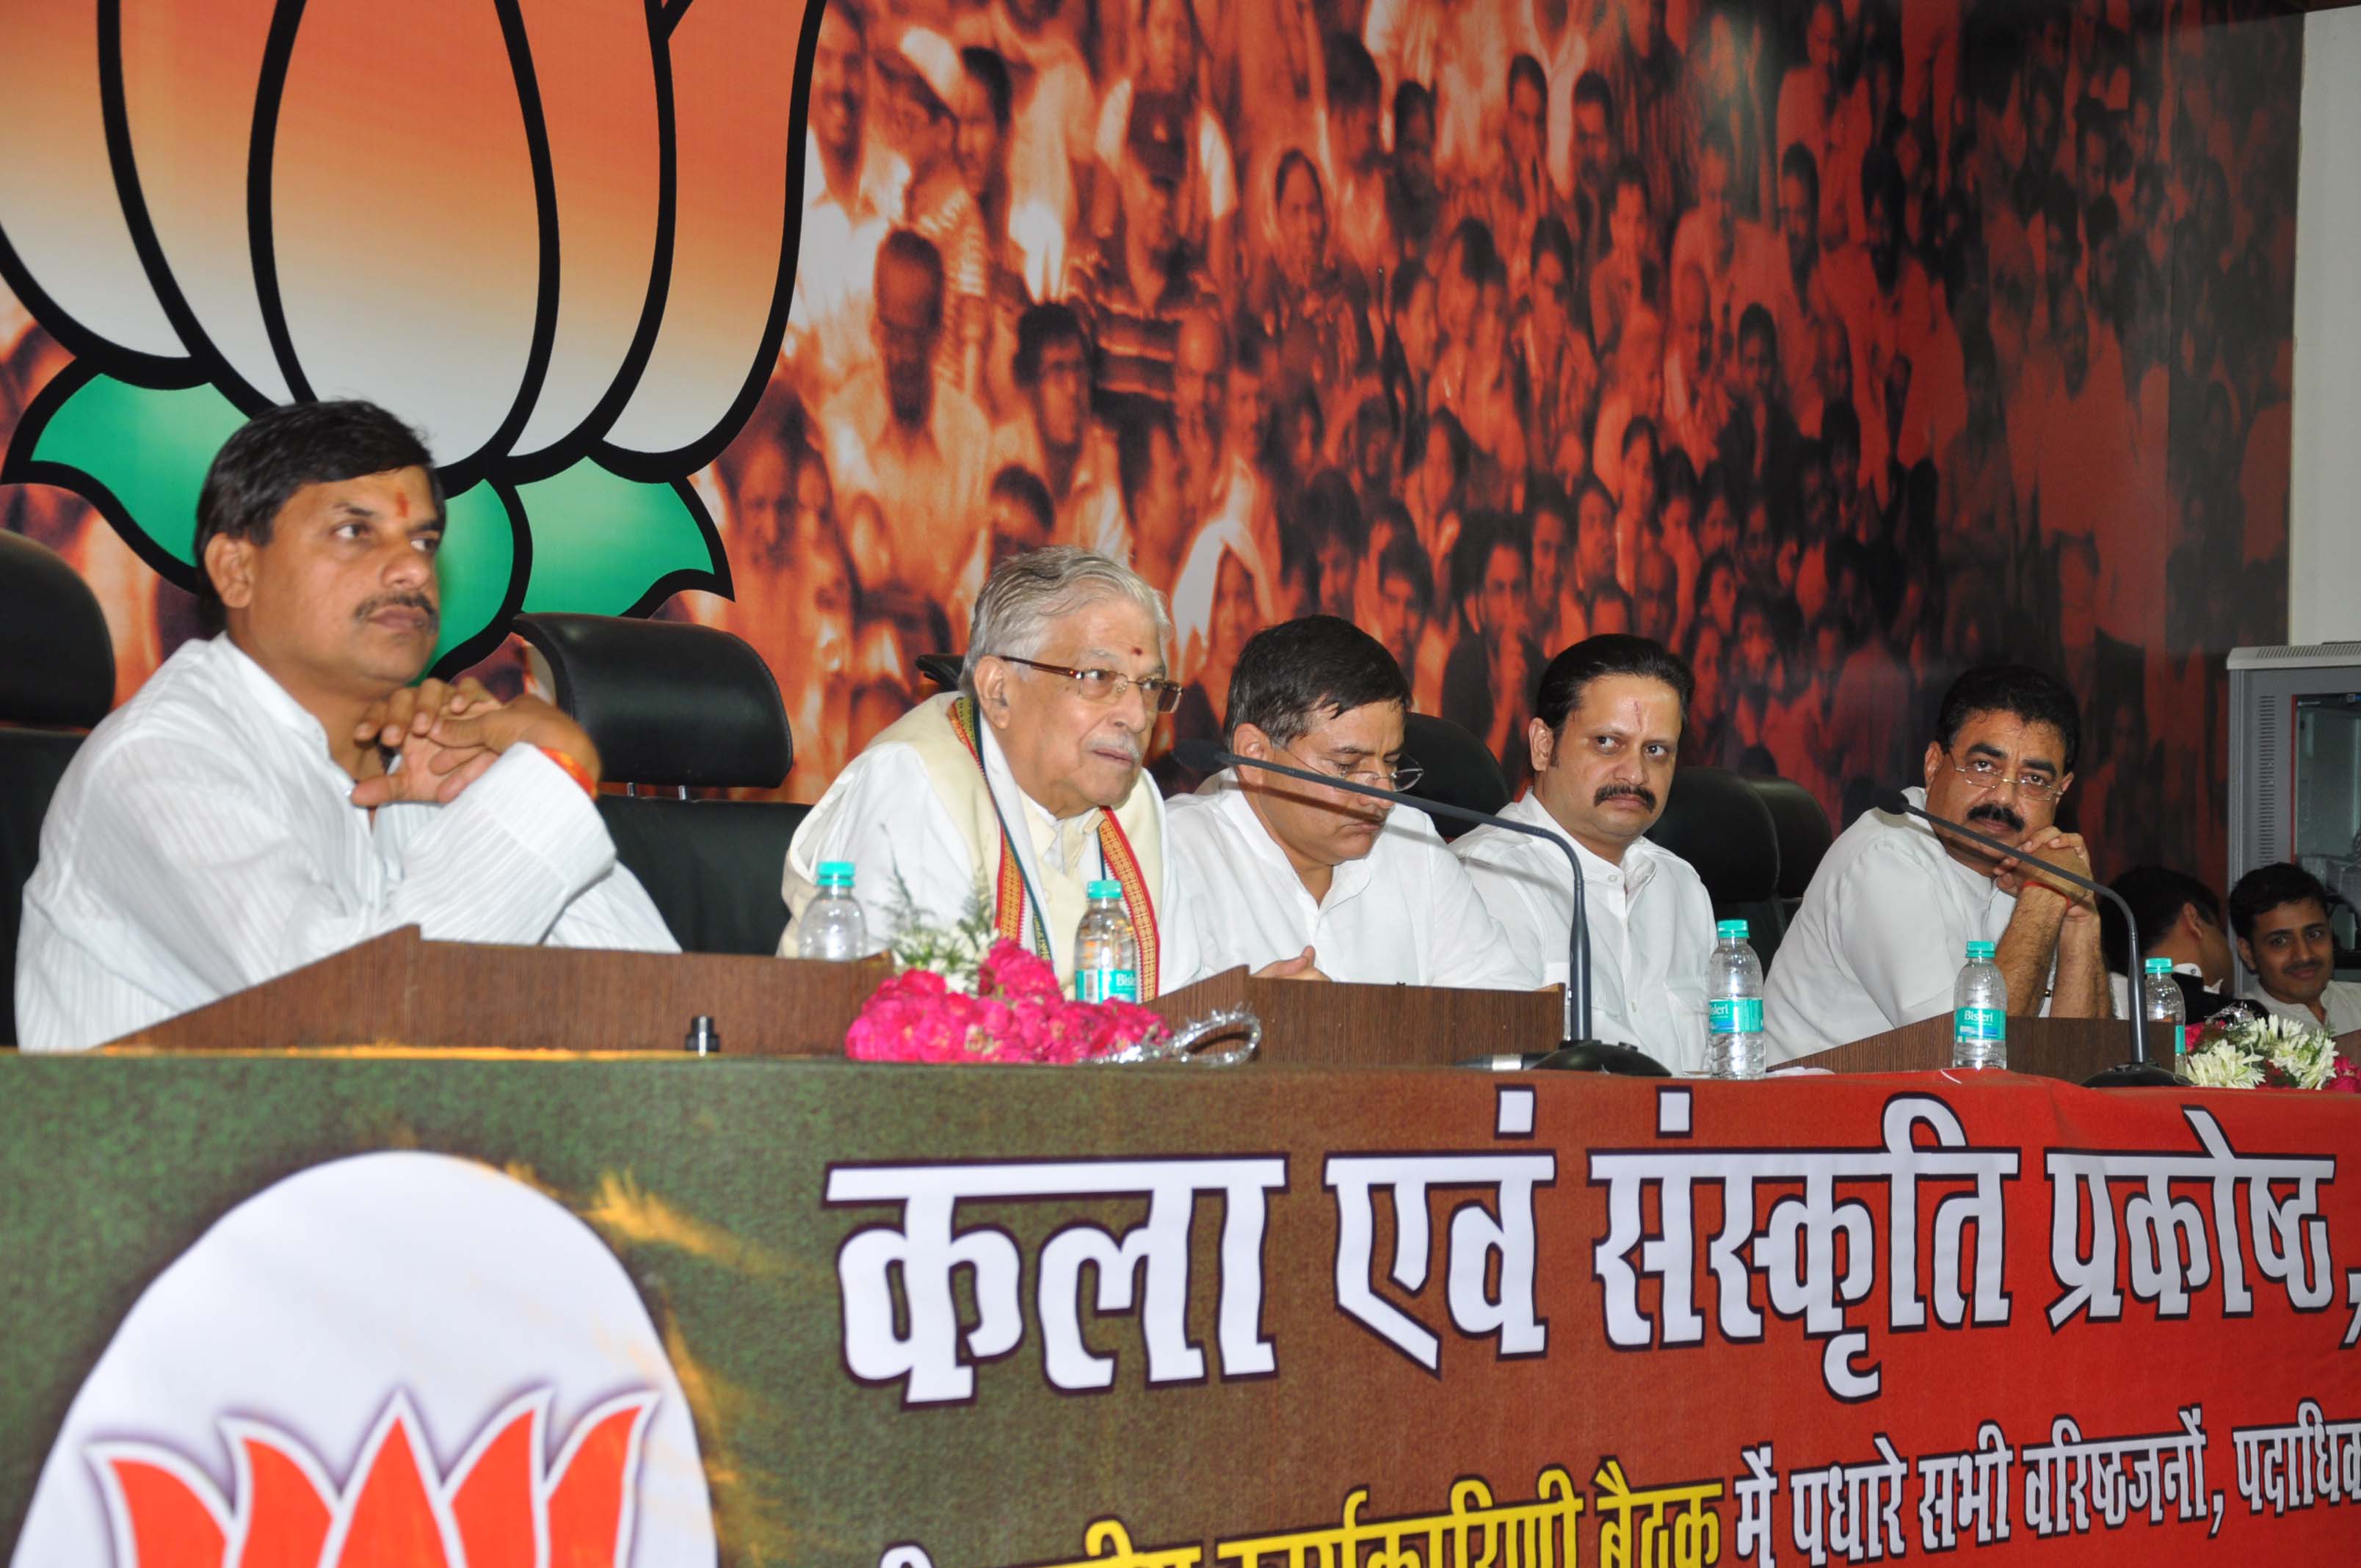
x: 1979, y: 1011
x: 2161, y: 1005
x: 1734, y: 989
x: 1106, y: 954
x: 832, y: 926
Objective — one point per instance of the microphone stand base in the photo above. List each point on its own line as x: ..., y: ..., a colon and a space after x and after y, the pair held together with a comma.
x: 1597, y: 1055
x: 2132, y: 1075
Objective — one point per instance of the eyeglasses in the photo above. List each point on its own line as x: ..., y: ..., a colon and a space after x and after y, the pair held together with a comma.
x: 1405, y: 774
x: 1985, y: 774
x: 1109, y: 686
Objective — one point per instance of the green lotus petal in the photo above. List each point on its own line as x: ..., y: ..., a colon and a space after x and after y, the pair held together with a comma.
x: 475, y: 566
x: 144, y: 449
x: 603, y: 545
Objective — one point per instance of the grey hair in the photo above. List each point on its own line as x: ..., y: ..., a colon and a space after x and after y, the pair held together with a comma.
x: 1029, y: 592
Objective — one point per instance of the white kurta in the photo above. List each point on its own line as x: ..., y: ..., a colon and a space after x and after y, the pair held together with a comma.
x: 886, y: 815
x: 1403, y: 914
x: 203, y: 841
x: 1881, y: 938
x: 1651, y: 923
x: 2340, y: 1001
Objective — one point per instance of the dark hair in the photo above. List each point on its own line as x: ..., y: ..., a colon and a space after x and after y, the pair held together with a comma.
x: 1591, y: 88
x: 1294, y: 676
x: 2265, y: 888
x: 1630, y: 174
x: 1612, y: 653
x: 2034, y: 696
x: 1294, y: 157
x: 1641, y: 428
x: 1544, y: 494
x: 1023, y: 487
x: 277, y: 453
x: 986, y: 66
x: 1756, y: 322
x: 1402, y: 557
x: 912, y: 249
x: 1841, y: 426
x: 2158, y: 894
x: 1455, y: 433
x: 1552, y: 237
x: 1353, y: 79
x: 1478, y: 252
x: 1036, y: 329
x: 1717, y: 140
x: 1881, y: 182
x: 1800, y: 164
x: 1411, y: 98
x: 1135, y: 446
x: 1524, y: 67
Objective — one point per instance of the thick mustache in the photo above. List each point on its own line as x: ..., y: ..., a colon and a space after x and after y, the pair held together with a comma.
x: 1998, y: 813
x: 416, y: 601
x: 1640, y: 793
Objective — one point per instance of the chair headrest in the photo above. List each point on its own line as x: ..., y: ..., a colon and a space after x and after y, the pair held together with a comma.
x: 664, y: 702
x: 1459, y: 769
x: 57, y: 662
x: 1719, y: 826
x: 1802, y: 826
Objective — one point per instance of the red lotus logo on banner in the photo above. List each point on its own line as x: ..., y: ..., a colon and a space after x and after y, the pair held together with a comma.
x: 499, y: 1508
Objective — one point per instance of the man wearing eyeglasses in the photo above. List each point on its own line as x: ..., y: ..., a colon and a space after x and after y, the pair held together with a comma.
x: 1885, y: 923
x: 1275, y: 871
x: 1026, y: 784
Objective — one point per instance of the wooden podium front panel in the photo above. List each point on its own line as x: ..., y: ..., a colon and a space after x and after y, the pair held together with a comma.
x: 400, y: 988
x: 2071, y: 1048
x: 1313, y: 1024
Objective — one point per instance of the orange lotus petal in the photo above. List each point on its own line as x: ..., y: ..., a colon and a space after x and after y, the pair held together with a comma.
x: 58, y: 204
x: 731, y: 63
x: 596, y: 72
x: 164, y: 1516
x: 404, y: 216
x: 190, y: 74
x: 494, y: 1490
x: 590, y: 1501
x: 393, y: 1522
x: 286, y: 1513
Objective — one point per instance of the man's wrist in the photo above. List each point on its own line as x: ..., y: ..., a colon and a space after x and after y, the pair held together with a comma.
x: 572, y: 769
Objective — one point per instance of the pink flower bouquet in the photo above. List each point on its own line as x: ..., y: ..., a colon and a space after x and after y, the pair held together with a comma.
x: 1018, y: 1014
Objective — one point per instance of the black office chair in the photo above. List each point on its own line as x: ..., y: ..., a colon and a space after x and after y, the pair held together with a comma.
x: 681, y: 707
x: 1459, y: 770
x: 57, y: 679
x: 1803, y: 838
x: 1716, y: 821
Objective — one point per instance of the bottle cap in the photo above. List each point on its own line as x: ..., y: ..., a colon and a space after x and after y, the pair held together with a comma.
x: 1979, y: 950
x: 1106, y: 887
x: 1730, y: 930
x: 2159, y: 966
x: 836, y: 874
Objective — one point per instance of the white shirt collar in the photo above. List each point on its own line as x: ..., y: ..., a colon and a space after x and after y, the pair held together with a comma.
x: 1639, y: 867
x: 1228, y: 795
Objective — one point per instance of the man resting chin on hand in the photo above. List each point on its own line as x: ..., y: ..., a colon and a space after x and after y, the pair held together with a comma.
x: 280, y: 791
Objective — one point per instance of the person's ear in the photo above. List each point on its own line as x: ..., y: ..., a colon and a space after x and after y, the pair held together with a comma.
x: 1934, y: 762
x: 1250, y: 741
x: 992, y: 677
x: 230, y: 564
x: 1540, y: 742
x: 2247, y: 954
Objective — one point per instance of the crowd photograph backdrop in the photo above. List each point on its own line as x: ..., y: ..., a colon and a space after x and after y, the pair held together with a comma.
x: 1839, y: 344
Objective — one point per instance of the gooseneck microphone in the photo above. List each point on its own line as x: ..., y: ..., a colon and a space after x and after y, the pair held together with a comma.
x: 1203, y: 756
x: 2137, y: 1073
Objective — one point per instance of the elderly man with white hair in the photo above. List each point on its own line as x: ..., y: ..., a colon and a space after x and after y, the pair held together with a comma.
x: 1027, y: 782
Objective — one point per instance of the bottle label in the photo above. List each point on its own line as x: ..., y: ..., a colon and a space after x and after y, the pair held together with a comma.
x: 1979, y: 1026
x: 1735, y: 1015
x: 1107, y: 985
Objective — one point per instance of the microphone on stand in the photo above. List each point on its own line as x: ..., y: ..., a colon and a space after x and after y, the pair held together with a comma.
x: 1579, y: 1053
x: 2137, y: 1073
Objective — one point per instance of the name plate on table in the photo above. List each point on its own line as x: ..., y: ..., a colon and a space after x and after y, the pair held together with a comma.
x: 403, y: 990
